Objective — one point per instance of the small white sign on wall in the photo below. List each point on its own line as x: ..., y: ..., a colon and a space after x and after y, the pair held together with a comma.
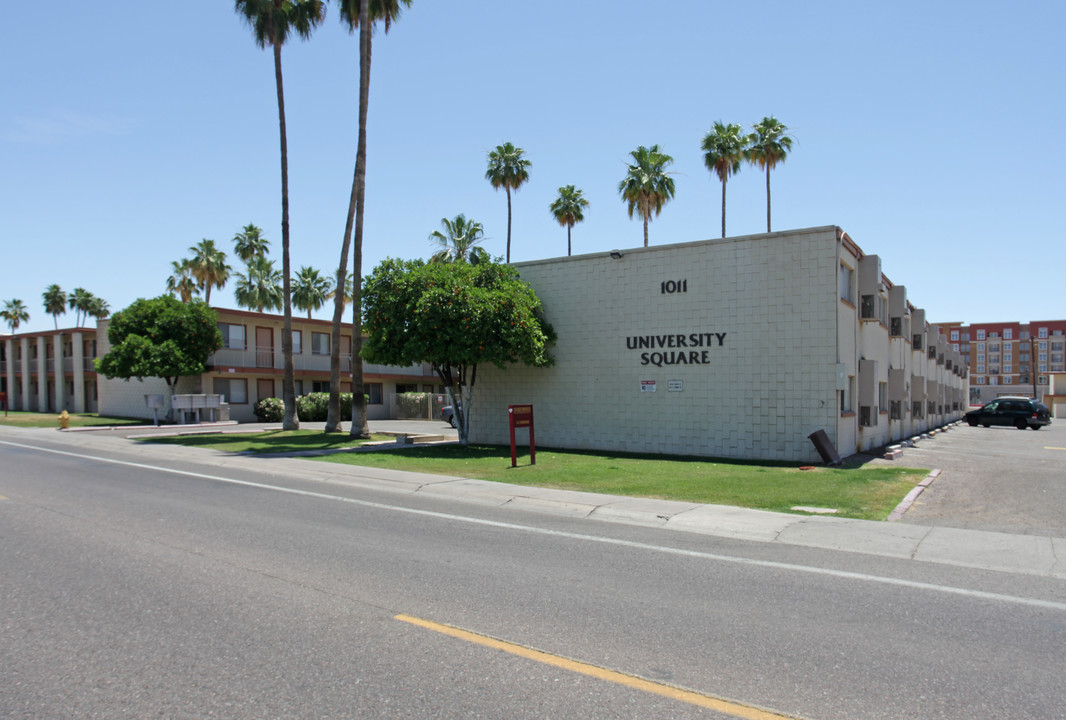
x: 675, y: 385
x: 647, y: 386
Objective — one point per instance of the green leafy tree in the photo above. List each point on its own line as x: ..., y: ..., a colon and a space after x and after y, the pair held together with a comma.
x: 55, y: 302
x: 272, y: 22
x: 453, y: 316
x: 181, y: 281
x: 310, y: 290
x: 768, y: 145
x: 259, y: 288
x: 161, y: 337
x: 250, y: 243
x: 358, y: 15
x: 208, y: 266
x: 510, y: 170
x: 568, y: 210
x: 458, y: 241
x: 647, y: 185
x: 724, y: 147
x: 14, y: 313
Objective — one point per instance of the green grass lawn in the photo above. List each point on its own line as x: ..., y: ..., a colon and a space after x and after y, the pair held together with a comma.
x: 33, y: 419
x: 866, y: 492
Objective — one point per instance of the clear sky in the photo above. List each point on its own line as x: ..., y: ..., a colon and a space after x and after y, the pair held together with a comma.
x: 930, y: 131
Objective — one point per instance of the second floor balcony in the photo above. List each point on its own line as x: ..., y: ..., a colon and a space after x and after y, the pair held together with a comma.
x: 268, y: 358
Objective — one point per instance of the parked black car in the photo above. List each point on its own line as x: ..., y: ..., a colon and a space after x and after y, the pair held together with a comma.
x: 1017, y: 411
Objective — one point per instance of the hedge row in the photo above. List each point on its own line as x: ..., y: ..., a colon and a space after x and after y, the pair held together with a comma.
x: 312, y: 407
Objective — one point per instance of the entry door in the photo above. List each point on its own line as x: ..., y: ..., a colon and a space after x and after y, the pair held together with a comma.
x: 264, y: 388
x: 264, y: 347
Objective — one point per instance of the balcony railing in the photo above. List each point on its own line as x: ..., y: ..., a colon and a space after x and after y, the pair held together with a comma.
x: 262, y: 358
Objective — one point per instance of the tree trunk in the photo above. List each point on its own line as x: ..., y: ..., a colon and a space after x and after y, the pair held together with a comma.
x: 645, y: 231
x: 568, y: 239
x: 508, y: 189
x: 359, y: 427
x: 767, y: 198
x: 288, y: 383
x: 723, y: 208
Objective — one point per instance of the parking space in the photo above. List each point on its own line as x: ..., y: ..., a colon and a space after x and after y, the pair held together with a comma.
x: 999, y: 479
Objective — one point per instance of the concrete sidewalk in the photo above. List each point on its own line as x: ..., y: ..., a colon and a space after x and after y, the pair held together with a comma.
x: 1028, y: 554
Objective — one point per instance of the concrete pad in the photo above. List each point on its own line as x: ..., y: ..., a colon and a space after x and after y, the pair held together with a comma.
x: 641, y: 511
x: 734, y: 522
x: 865, y: 536
x: 480, y: 491
x: 1029, y: 554
x: 555, y: 507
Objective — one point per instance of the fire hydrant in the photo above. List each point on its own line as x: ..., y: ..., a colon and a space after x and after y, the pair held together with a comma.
x: 64, y: 420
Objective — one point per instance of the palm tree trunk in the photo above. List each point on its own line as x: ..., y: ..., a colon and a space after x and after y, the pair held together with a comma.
x: 508, y: 189
x: 645, y: 231
x: 767, y: 198
x: 288, y: 383
x: 359, y: 428
x: 568, y: 240
x: 723, y: 208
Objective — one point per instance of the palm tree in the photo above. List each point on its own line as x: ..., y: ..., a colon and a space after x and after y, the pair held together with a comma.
x: 97, y: 308
x: 647, y: 186
x: 272, y: 21
x: 509, y: 170
x: 458, y: 242
x: 79, y: 302
x: 361, y: 15
x: 250, y: 243
x: 208, y: 266
x: 768, y: 146
x: 14, y: 313
x: 55, y: 302
x: 310, y: 290
x: 723, y: 149
x: 260, y: 288
x: 181, y: 281
x: 346, y: 299
x: 567, y: 209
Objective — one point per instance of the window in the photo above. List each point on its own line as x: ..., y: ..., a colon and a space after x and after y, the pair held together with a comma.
x: 1042, y: 332
x: 1042, y: 346
x: 1008, y: 334
x: 1056, y: 346
x: 980, y: 368
x: 374, y: 391
x: 955, y: 347
x: 1024, y: 335
x: 980, y: 334
x: 978, y: 380
x: 319, y: 343
x: 965, y: 337
x: 980, y: 357
x: 993, y: 380
x: 1041, y: 379
x: 233, y: 390
x: 233, y: 337
x: 1007, y: 369
x: 847, y: 395
x: 954, y: 335
x: 402, y: 388
x: 1007, y: 380
x: 297, y: 342
x: 980, y: 347
x: 847, y: 278
x: 882, y: 397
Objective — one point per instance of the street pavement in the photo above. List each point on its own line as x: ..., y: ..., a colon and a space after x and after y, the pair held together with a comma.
x: 928, y: 533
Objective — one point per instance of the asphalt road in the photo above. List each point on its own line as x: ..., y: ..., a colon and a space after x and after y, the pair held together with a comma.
x: 141, y: 592
x: 998, y: 479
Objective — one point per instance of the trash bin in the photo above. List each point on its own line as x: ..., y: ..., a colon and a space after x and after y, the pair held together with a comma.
x: 825, y: 448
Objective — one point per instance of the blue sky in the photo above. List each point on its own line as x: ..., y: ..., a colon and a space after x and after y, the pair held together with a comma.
x: 930, y: 132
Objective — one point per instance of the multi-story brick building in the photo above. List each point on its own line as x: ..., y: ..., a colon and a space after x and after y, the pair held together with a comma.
x: 249, y: 367
x: 1010, y: 358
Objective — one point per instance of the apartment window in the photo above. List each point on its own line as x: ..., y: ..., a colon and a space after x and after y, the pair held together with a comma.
x: 993, y: 380
x: 1008, y: 334
x: 1024, y: 335
x: 1007, y: 368
x: 847, y: 283
x: 297, y: 342
x: 980, y: 334
x: 882, y: 397
x: 402, y: 388
x: 978, y: 380
x: 234, y: 390
x: 1056, y: 346
x: 1041, y: 357
x: 233, y: 336
x: 1042, y: 346
x: 1041, y: 379
x: 846, y: 395
x: 954, y: 335
x: 319, y: 343
x: 980, y: 357
x: 965, y: 337
x: 1042, y: 333
x: 1007, y: 380
x: 980, y: 368
x: 374, y: 391
x: 980, y: 347
x: 955, y: 347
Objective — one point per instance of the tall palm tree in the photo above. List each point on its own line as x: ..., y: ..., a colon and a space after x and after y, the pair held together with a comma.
x: 647, y: 186
x: 346, y: 299
x: 272, y: 21
x: 568, y: 209
x: 508, y: 169
x: 55, y: 302
x: 97, y: 308
x: 358, y: 15
x: 458, y: 242
x: 724, y: 148
x: 208, y: 265
x: 14, y: 313
x: 250, y: 243
x: 79, y: 301
x: 310, y: 290
x: 768, y: 146
x: 181, y: 281
x: 260, y: 288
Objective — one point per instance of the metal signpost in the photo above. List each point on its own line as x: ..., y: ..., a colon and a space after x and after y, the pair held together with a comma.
x: 521, y: 416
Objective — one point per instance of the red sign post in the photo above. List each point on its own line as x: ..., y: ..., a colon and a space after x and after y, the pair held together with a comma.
x: 3, y: 401
x: 521, y: 416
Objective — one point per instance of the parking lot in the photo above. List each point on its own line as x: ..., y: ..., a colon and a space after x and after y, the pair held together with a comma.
x: 998, y: 479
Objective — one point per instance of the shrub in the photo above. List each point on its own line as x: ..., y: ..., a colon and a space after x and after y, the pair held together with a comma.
x: 412, y: 405
x: 269, y: 410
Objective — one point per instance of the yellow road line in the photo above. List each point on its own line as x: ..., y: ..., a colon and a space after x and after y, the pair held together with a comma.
x: 717, y: 704
x: 1054, y: 448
